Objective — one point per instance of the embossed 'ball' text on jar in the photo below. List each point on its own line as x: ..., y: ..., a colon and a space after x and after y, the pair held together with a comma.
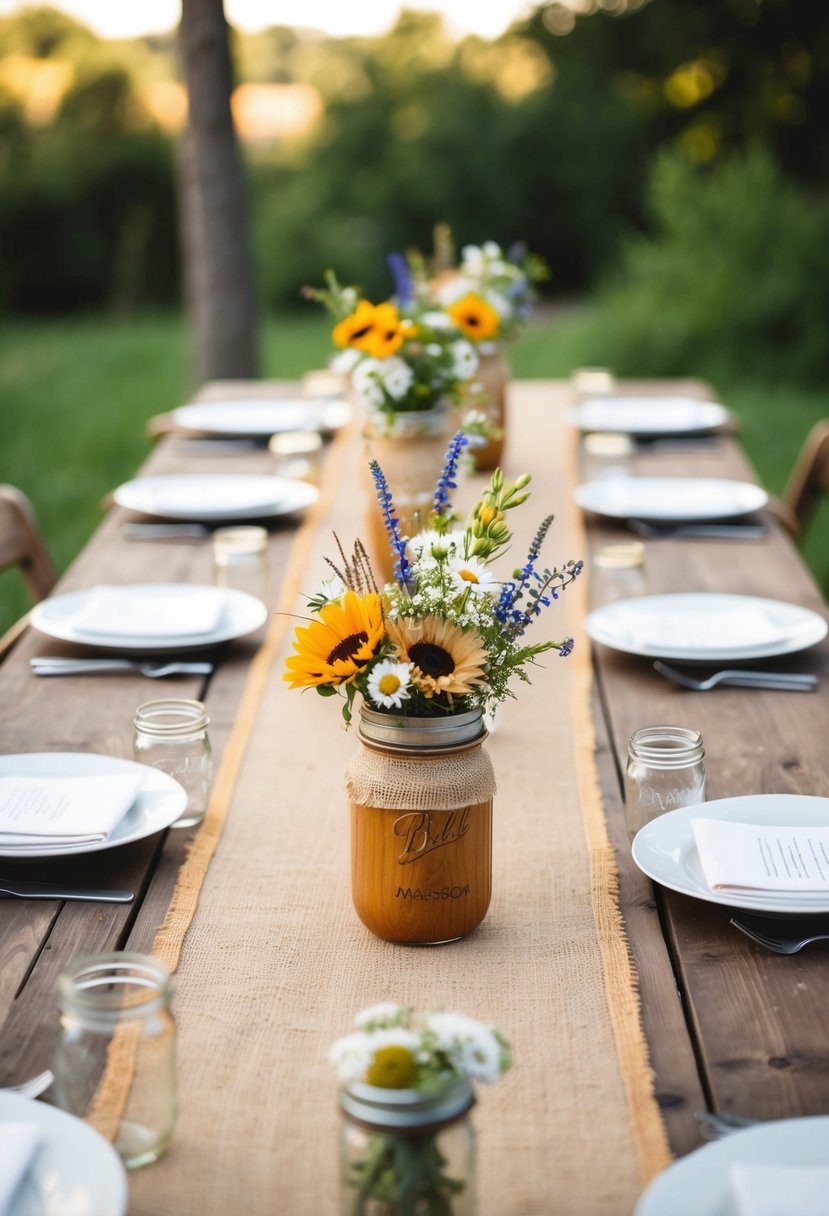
x: 421, y: 793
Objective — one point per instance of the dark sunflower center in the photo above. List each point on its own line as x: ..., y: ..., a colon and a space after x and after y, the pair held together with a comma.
x: 472, y: 320
x: 432, y: 660
x: 348, y: 647
x: 361, y: 332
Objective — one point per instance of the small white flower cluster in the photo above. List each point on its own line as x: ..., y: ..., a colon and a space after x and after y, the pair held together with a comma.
x: 444, y: 1045
x: 376, y: 379
x: 485, y: 271
x: 384, y: 384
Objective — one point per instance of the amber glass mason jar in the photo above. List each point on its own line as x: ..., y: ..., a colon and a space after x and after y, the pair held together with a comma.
x: 421, y: 794
x: 407, y: 1153
x: 493, y: 376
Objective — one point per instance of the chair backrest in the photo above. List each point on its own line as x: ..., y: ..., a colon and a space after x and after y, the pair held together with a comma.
x: 809, y: 477
x: 21, y: 543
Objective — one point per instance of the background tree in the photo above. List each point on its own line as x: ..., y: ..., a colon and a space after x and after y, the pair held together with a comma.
x: 217, y: 265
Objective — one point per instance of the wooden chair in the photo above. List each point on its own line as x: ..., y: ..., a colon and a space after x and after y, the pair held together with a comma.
x: 22, y: 545
x: 809, y: 477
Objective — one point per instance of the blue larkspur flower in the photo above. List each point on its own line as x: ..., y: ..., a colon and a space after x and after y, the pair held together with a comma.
x: 446, y: 481
x: 566, y: 647
x: 402, y: 279
x: 402, y: 568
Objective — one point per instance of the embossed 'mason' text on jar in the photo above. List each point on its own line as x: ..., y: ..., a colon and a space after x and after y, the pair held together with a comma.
x: 665, y: 770
x: 421, y: 794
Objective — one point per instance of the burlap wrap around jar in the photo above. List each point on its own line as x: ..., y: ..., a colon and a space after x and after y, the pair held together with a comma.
x: 421, y: 793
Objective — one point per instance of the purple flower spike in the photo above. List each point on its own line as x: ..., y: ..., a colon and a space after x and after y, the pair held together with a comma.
x: 402, y: 568
x: 446, y: 481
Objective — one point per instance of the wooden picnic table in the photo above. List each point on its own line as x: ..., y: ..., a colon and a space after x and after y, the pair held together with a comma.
x: 728, y: 1025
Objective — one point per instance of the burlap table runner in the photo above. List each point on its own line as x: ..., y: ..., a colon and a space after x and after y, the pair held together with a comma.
x: 275, y: 962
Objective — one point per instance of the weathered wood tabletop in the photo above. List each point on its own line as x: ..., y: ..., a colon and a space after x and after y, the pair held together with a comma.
x: 729, y: 1026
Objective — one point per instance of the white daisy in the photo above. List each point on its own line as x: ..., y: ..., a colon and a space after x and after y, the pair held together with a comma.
x: 345, y: 361
x: 389, y: 683
x: 381, y: 1015
x: 430, y: 545
x: 465, y: 358
x: 470, y: 574
x: 365, y: 379
x: 437, y: 320
x: 396, y: 377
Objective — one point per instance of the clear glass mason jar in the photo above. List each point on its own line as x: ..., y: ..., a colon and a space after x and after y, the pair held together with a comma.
x: 617, y: 572
x: 114, y: 1055
x: 172, y: 735
x: 240, y: 561
x: 407, y: 1153
x: 665, y: 770
x: 297, y: 455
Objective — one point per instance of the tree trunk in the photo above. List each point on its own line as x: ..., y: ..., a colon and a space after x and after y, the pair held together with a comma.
x: 217, y: 265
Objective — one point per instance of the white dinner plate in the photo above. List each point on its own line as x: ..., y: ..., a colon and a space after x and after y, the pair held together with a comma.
x: 75, y: 1171
x: 699, y: 1182
x: 649, y: 416
x: 207, y: 498
x: 259, y: 419
x: 241, y: 614
x: 670, y: 498
x: 664, y: 849
x: 705, y: 626
x: 160, y: 801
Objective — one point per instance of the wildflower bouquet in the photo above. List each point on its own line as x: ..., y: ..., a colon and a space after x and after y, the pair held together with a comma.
x: 402, y: 358
x: 446, y: 636
x: 394, y: 1049
x: 489, y: 294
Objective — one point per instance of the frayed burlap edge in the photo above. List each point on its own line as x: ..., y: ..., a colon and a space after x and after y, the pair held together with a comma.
x: 420, y: 783
x: 112, y: 1095
x: 621, y: 979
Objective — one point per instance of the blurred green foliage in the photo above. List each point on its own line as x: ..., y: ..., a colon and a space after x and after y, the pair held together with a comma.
x: 732, y: 282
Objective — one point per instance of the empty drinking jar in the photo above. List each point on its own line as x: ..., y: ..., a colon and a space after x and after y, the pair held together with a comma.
x: 665, y: 770
x: 172, y: 735
x: 617, y: 572
x: 240, y: 560
x: 114, y: 1059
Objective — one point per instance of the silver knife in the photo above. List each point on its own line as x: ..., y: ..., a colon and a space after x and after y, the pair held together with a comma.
x: 702, y: 531
x: 49, y: 890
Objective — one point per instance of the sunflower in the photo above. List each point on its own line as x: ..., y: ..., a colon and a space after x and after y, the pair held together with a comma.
x: 358, y: 329
x: 443, y: 658
x: 475, y: 317
x: 387, y: 333
x: 334, y: 648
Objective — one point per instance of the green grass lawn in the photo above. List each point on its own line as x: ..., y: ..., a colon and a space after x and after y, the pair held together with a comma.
x: 75, y: 396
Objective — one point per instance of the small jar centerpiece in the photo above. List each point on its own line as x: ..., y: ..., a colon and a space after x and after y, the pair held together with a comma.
x: 407, y: 1143
x: 488, y: 293
x: 408, y: 363
x: 428, y: 654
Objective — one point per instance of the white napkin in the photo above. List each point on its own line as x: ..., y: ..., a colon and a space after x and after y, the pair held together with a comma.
x: 18, y: 1144
x: 776, y: 861
x: 149, y: 611
x: 50, y: 813
x: 709, y: 629
x: 779, y: 1190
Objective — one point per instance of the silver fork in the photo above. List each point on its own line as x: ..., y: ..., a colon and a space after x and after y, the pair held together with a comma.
x: 777, y: 943
x: 46, y: 666
x: 783, y: 681
x: 32, y: 1088
x: 716, y: 1124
